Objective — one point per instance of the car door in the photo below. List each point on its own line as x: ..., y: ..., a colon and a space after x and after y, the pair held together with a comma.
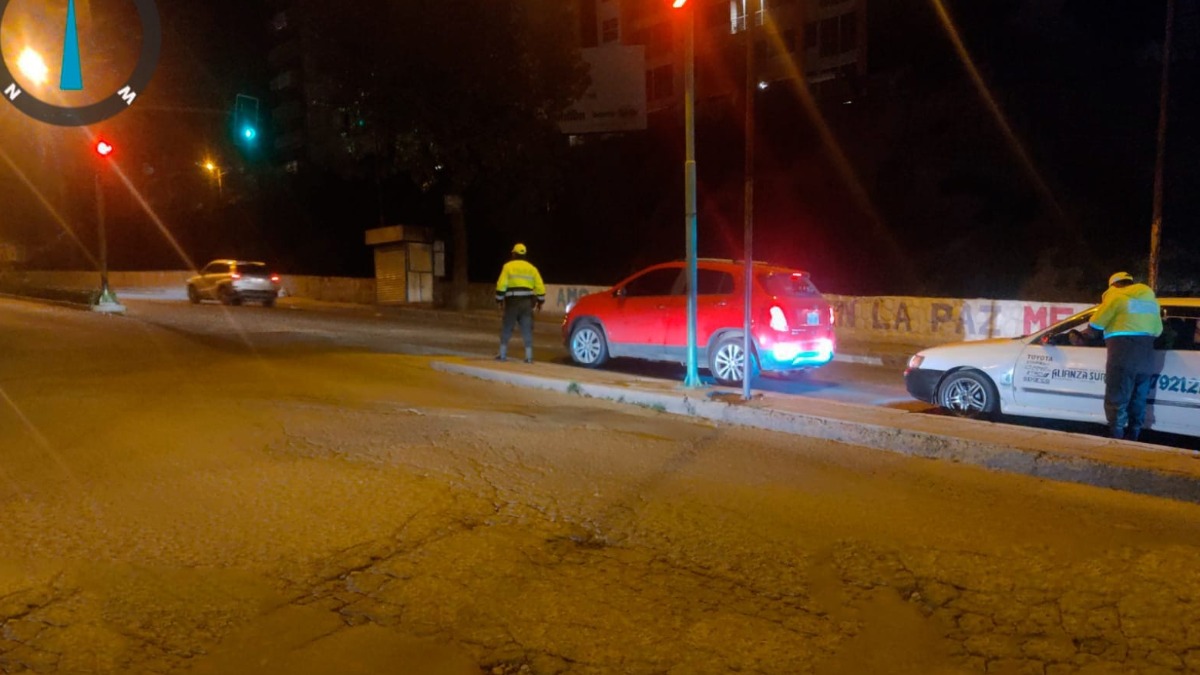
x: 717, y: 306
x: 1175, y: 387
x: 209, y: 276
x: 638, y: 324
x: 1061, y: 375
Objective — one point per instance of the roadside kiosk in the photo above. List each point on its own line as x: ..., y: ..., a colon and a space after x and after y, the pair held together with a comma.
x: 406, y: 262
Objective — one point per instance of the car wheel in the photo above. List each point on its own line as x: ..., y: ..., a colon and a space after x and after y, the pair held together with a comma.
x: 968, y: 393
x: 727, y: 361
x: 193, y: 295
x: 588, y: 346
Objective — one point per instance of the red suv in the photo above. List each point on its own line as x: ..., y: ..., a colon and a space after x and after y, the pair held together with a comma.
x: 645, y: 317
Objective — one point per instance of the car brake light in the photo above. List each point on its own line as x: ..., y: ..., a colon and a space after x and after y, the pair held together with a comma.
x: 778, y: 320
x: 275, y: 278
x: 832, y: 316
x: 236, y: 275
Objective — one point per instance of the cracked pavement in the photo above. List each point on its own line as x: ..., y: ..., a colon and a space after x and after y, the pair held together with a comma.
x: 236, y: 502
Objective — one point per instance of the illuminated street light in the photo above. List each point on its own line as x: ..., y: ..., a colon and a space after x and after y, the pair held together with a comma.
x: 212, y: 167
x: 33, y: 66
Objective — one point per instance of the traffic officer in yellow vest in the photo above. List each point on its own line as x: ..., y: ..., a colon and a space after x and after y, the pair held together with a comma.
x: 1130, y: 317
x: 520, y: 290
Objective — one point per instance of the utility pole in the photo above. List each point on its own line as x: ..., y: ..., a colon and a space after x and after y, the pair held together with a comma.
x: 748, y: 207
x: 1160, y: 157
x: 692, y: 377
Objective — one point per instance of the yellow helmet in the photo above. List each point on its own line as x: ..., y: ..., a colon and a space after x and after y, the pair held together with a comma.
x: 1120, y: 276
x: 519, y: 249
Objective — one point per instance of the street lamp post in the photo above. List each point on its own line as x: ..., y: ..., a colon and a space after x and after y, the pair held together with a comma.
x: 212, y: 168
x: 1156, y: 217
x: 107, y: 302
x: 692, y: 378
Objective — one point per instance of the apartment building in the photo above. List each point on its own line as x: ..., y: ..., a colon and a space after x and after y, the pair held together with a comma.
x: 825, y: 40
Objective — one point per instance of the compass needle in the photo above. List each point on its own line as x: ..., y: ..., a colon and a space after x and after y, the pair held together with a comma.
x: 71, y: 77
x: 72, y: 73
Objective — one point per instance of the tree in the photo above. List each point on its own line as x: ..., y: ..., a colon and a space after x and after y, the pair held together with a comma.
x: 451, y: 92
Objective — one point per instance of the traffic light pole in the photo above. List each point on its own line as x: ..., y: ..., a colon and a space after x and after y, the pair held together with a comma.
x: 692, y: 379
x: 107, y: 302
x: 748, y: 206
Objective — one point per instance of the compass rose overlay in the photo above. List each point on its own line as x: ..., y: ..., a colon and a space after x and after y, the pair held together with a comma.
x: 118, y: 101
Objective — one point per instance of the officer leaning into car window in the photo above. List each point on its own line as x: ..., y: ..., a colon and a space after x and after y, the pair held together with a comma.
x: 1130, y: 318
x: 520, y: 290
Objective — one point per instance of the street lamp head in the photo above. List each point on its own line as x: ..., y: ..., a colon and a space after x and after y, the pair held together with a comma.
x: 210, y: 166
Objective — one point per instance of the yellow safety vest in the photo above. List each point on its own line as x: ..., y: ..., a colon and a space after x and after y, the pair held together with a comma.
x: 1132, y: 310
x: 520, y: 279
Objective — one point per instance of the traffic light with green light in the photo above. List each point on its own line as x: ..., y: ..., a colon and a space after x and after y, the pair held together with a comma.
x: 245, y: 119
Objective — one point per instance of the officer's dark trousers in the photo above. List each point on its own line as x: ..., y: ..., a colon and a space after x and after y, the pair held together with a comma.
x: 517, y: 310
x: 1127, y: 383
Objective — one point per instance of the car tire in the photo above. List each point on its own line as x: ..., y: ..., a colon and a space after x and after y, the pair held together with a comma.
x: 969, y: 393
x: 588, y: 346
x: 193, y: 295
x: 726, y: 361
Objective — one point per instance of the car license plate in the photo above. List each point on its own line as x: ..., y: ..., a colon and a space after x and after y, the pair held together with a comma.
x: 813, y: 317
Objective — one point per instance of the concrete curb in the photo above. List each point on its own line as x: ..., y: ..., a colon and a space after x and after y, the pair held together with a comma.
x: 1053, y: 455
x: 858, y: 358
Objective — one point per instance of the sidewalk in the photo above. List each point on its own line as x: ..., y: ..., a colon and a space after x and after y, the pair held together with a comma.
x: 1053, y: 455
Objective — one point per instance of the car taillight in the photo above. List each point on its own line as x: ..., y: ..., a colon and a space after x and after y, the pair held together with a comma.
x: 832, y: 316
x: 778, y: 320
x: 235, y: 275
x: 275, y: 278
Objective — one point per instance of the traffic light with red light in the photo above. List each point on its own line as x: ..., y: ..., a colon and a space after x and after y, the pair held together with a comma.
x: 104, y: 148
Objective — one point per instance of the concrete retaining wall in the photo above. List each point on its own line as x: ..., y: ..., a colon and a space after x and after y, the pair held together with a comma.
x: 173, y: 284
x: 937, y: 320
x: 913, y: 320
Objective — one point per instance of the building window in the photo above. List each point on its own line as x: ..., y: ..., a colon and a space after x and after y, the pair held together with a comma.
x: 849, y: 32
x: 833, y: 36
x: 660, y: 83
x: 610, y: 31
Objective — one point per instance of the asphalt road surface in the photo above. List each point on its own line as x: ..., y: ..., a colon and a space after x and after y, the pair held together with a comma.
x: 383, y: 331
x: 215, y: 498
x: 377, y: 330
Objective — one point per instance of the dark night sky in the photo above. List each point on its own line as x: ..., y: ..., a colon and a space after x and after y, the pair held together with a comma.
x: 1077, y: 78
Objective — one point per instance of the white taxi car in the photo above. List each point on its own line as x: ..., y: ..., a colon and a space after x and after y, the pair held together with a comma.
x: 1059, y: 374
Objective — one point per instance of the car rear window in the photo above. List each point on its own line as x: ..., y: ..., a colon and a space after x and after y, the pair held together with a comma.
x: 253, y: 269
x: 794, y: 285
